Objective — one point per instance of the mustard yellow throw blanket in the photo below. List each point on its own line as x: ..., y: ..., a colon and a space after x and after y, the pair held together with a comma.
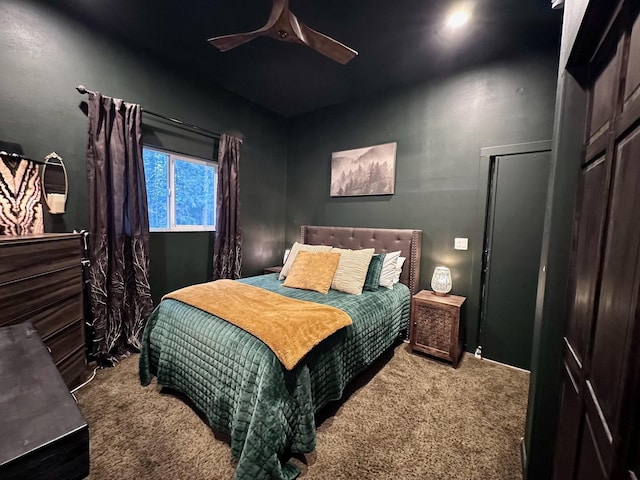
x: 289, y: 327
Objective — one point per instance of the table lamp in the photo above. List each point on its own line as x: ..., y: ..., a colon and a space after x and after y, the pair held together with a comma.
x: 441, y: 281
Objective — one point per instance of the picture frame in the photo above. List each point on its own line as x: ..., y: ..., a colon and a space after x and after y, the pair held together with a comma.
x: 364, y: 171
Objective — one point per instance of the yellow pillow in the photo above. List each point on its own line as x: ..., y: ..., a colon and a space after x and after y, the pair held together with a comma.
x: 313, y: 271
x: 300, y: 247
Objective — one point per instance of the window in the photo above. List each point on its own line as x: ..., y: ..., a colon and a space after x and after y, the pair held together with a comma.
x: 181, y: 191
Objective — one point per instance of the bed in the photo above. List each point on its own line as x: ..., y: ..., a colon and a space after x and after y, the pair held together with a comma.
x: 237, y: 382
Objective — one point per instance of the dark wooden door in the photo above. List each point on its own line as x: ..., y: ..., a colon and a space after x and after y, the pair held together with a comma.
x: 633, y: 462
x: 597, y: 435
x: 513, y: 241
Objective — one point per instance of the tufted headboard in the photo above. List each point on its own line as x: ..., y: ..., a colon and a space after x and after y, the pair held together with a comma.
x: 381, y: 239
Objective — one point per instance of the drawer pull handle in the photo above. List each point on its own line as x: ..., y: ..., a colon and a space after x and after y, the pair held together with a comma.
x: 49, y: 350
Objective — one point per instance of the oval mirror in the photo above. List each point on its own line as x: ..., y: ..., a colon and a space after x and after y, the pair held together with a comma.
x: 55, y: 184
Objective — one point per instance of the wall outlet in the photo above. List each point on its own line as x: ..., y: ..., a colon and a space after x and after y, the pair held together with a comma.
x: 461, y: 243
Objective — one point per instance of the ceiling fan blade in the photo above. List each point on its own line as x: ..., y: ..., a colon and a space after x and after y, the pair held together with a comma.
x: 284, y: 25
x: 278, y: 10
x: 325, y: 45
x: 227, y: 42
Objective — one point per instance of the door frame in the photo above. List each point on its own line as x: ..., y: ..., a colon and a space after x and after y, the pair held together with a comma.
x: 486, y: 199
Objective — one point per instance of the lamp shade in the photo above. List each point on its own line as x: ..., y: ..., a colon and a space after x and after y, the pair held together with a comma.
x: 441, y: 281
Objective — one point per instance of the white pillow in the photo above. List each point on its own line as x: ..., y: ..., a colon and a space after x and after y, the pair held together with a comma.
x: 300, y: 247
x: 352, y: 269
x: 399, y: 264
x: 389, y: 269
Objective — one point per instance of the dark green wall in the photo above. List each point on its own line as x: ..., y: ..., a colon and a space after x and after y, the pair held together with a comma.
x: 568, y: 133
x: 440, y: 183
x: 44, y: 54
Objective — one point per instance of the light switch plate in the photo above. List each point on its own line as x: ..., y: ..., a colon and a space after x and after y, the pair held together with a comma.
x: 461, y: 244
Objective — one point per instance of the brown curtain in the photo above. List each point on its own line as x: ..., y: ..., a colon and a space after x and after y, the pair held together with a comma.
x: 119, y: 226
x: 227, y: 253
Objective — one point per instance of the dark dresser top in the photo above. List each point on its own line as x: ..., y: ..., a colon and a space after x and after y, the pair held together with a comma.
x: 36, y: 237
x: 36, y: 407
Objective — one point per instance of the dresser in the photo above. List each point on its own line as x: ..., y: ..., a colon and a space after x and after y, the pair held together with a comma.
x: 41, y: 282
x: 43, y: 435
x: 435, y: 325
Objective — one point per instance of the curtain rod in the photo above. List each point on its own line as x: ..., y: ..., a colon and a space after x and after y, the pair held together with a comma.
x: 203, y: 131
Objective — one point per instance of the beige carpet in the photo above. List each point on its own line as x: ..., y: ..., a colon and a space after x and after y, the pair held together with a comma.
x: 408, y: 417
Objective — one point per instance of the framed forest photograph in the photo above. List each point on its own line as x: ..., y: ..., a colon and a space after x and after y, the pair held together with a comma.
x: 364, y: 171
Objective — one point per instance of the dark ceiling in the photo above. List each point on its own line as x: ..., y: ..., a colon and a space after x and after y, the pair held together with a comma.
x: 399, y: 42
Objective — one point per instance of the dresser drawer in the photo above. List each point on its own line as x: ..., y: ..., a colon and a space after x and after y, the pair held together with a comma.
x: 20, y: 258
x: 52, y: 318
x: 18, y: 300
x: 66, y: 340
x: 71, y: 368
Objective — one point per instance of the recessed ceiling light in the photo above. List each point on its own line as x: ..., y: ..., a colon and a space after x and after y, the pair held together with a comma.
x: 457, y: 18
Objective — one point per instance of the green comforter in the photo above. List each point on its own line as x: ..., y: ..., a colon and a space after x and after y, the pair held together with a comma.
x: 242, y: 388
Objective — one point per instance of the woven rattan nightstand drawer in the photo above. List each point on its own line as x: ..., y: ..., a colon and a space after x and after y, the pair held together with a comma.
x: 435, y: 325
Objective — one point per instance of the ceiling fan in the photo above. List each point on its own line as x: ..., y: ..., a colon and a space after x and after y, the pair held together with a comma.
x: 284, y: 25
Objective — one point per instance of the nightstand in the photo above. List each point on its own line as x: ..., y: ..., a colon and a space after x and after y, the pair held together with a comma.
x: 272, y: 270
x: 435, y: 325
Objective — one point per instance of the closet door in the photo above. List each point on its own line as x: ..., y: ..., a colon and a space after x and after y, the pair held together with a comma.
x: 633, y: 460
x: 628, y: 141
x: 586, y: 263
x: 599, y: 399
x: 611, y: 356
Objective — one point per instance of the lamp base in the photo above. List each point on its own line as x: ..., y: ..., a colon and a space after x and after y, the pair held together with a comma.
x: 440, y: 294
